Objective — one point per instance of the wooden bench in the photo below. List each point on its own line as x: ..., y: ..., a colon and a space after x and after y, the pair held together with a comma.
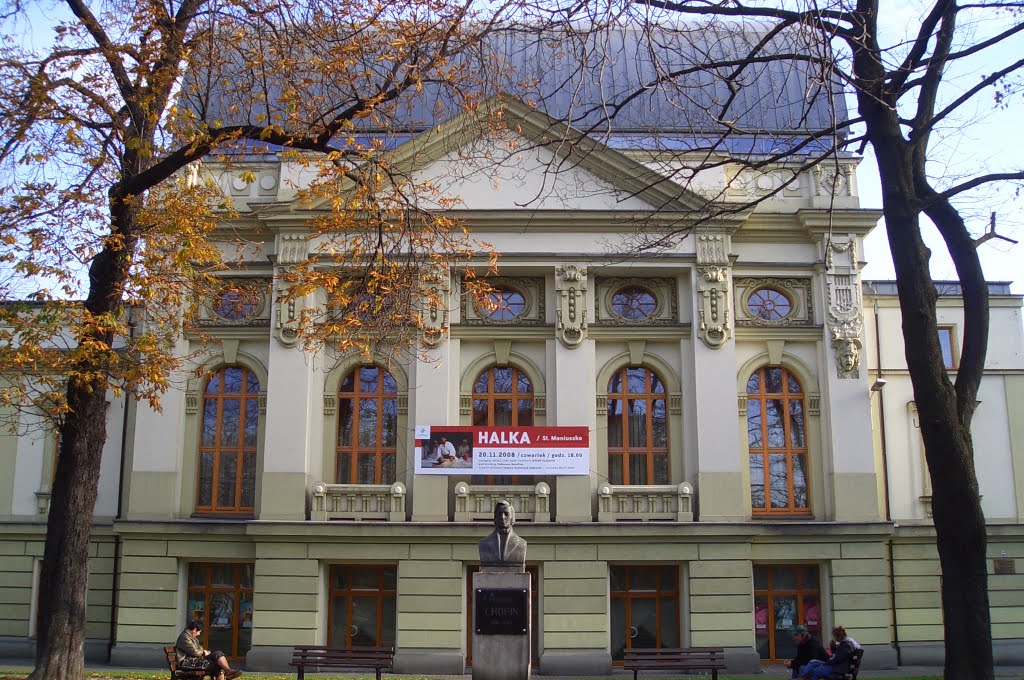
x: 854, y: 667
x: 317, y: 656
x: 691, y: 658
x: 176, y: 674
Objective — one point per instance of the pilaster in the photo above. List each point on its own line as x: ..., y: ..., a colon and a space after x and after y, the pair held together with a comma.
x: 574, y: 384
x: 720, y: 487
x: 847, y: 421
x: 433, y: 387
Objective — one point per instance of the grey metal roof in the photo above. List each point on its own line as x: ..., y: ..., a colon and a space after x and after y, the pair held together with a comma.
x: 626, y: 86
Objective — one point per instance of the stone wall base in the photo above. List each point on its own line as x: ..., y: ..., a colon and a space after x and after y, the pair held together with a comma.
x: 139, y: 655
x: 742, y: 660
x: 576, y: 662
x: 1004, y: 653
x: 269, y: 658
x: 424, y: 662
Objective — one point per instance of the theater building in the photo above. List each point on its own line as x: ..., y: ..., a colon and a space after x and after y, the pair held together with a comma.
x: 753, y: 457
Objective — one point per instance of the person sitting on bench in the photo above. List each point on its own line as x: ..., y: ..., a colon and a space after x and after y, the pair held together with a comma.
x: 192, y: 656
x: 843, y: 646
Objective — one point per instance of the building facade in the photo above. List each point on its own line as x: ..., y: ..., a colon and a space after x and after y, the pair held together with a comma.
x: 749, y: 470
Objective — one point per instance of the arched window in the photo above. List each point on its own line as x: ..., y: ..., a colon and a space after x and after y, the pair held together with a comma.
x: 637, y: 428
x: 777, y: 442
x: 367, y: 427
x: 503, y: 395
x: 227, y: 446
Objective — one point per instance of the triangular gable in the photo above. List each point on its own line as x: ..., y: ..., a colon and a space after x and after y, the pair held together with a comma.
x: 632, y: 185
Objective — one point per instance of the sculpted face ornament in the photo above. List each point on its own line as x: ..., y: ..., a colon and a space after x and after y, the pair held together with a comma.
x: 848, y: 358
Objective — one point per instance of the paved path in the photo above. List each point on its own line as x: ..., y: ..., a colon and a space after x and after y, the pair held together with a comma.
x: 767, y: 672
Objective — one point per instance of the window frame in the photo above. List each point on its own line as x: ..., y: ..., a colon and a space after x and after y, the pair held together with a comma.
x: 490, y: 397
x: 954, y: 355
x: 650, y: 452
x: 354, y: 450
x: 350, y: 592
x: 799, y: 593
x: 632, y: 290
x: 244, y: 396
x: 759, y: 292
x: 237, y: 590
x: 659, y: 595
x: 762, y: 397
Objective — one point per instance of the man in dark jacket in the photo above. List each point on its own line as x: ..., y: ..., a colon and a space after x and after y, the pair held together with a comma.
x: 807, y: 648
x: 838, y: 662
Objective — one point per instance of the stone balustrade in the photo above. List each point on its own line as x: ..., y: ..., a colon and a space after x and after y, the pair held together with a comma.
x: 382, y: 502
x: 664, y: 502
x: 473, y: 502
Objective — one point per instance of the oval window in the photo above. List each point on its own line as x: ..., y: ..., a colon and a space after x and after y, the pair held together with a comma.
x: 634, y: 303
x: 236, y: 303
x: 503, y: 304
x: 769, y: 304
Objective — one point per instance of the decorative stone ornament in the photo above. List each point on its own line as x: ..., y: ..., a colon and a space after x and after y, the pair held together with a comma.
x: 292, y: 247
x: 571, y: 313
x: 845, y: 318
x: 288, y: 313
x: 713, y: 296
x: 434, y: 307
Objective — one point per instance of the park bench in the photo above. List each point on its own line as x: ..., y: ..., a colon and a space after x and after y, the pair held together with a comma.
x: 176, y: 673
x: 686, y: 659
x: 854, y: 667
x: 317, y: 656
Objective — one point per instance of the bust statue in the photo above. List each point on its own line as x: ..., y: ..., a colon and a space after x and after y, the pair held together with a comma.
x: 502, y: 547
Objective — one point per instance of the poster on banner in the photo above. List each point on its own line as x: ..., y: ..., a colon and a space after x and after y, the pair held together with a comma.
x: 469, y: 450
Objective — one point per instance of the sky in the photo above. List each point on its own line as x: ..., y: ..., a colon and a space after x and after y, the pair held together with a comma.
x: 986, y: 138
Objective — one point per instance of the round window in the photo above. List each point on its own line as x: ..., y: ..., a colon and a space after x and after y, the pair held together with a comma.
x: 236, y: 303
x: 634, y: 303
x: 769, y: 304
x: 503, y: 304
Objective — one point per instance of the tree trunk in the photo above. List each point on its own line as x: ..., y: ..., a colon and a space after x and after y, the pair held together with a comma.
x: 60, y: 645
x: 60, y: 642
x: 956, y: 504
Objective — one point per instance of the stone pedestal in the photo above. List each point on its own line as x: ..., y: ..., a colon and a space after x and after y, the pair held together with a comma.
x: 501, y: 625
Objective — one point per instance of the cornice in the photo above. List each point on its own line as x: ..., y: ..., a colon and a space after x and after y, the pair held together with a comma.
x: 791, y: 333
x: 681, y: 331
x: 507, y: 331
x: 820, y: 221
x: 215, y: 332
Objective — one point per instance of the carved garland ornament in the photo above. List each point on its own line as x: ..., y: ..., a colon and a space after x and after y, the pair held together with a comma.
x: 571, y: 314
x: 434, y: 307
x: 845, y: 319
x: 713, y: 303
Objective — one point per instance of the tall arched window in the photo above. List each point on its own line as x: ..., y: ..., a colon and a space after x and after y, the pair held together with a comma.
x: 777, y: 442
x: 227, y: 446
x: 637, y: 427
x: 367, y: 427
x: 503, y: 395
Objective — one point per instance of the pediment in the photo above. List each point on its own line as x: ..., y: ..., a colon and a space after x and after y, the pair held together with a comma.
x: 509, y: 156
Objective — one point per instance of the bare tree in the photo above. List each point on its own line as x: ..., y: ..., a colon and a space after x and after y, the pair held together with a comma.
x: 905, y: 90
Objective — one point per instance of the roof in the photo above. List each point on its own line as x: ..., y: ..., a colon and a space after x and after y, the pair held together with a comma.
x: 629, y: 88
x: 944, y: 288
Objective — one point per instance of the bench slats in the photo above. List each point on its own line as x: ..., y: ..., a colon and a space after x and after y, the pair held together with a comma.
x: 318, y: 656
x: 176, y: 674
x: 686, y: 658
